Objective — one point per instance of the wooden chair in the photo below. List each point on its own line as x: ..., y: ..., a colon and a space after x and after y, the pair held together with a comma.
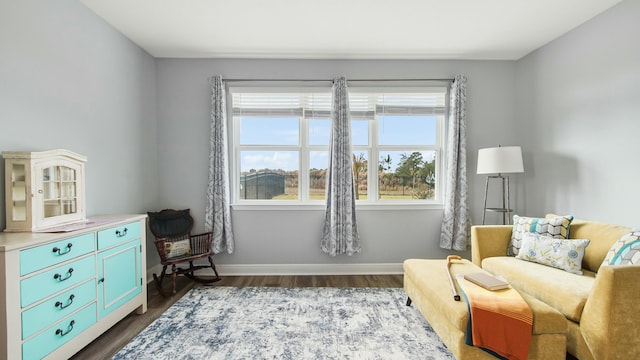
x: 176, y: 245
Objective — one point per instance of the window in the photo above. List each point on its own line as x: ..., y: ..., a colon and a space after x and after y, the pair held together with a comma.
x: 404, y: 152
x: 281, y: 144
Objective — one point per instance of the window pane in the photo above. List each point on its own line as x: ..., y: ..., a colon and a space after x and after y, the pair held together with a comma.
x: 360, y: 132
x: 318, y: 162
x: 406, y: 175
x: 269, y: 131
x: 319, y: 131
x: 407, y: 130
x: 269, y: 175
x: 360, y: 170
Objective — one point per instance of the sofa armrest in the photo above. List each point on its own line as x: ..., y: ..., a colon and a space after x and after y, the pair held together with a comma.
x: 488, y: 241
x: 609, y: 321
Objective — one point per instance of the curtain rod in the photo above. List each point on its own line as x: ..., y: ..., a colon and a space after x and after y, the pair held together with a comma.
x: 327, y: 80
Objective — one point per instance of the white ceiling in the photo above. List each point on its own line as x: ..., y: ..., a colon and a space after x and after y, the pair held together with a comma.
x: 345, y: 29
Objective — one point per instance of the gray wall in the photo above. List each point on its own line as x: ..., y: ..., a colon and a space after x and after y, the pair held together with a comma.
x: 69, y: 80
x: 578, y: 120
x: 293, y: 237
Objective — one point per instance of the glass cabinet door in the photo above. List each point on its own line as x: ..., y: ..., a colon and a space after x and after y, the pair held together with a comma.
x: 59, y: 191
x: 18, y: 192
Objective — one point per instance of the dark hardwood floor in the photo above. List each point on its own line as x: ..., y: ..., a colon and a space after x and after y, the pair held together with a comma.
x: 118, y: 336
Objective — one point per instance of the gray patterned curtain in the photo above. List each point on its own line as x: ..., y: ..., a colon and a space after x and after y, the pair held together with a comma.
x: 340, y: 233
x: 218, y: 212
x: 456, y: 221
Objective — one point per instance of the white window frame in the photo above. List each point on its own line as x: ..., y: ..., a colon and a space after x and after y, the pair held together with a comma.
x: 303, y: 148
x: 374, y: 148
x: 303, y: 202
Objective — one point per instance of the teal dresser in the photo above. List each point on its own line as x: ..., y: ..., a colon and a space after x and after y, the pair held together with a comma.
x: 60, y: 291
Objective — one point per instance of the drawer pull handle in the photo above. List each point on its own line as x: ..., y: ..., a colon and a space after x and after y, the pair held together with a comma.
x: 69, y: 302
x: 59, y: 251
x: 62, y: 332
x: 60, y: 278
x: 121, y: 233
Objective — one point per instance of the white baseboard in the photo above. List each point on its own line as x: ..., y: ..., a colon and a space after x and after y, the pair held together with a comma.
x: 295, y: 269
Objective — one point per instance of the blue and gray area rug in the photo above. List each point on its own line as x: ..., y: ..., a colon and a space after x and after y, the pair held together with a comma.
x: 288, y: 323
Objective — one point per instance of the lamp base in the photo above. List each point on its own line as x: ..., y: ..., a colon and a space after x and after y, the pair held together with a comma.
x: 506, y: 208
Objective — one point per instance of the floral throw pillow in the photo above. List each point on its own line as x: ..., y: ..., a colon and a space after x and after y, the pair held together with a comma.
x: 556, y: 227
x: 558, y: 253
x: 625, y: 251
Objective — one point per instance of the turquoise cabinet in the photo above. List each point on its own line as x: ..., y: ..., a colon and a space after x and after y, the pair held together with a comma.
x: 119, y: 276
x: 61, y: 290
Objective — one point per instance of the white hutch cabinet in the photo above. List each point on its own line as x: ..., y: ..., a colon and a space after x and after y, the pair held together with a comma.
x: 44, y: 189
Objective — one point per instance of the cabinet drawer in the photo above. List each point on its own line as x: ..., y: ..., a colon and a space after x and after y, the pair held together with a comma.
x: 56, y: 279
x: 59, y: 306
x: 54, y: 253
x: 116, y: 235
x: 63, y: 331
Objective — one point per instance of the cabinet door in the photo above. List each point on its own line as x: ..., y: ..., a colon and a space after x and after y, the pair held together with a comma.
x: 17, y: 193
x: 119, y: 276
x: 58, y: 194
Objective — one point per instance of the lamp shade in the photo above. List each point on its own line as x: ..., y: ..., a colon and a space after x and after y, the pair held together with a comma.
x: 500, y: 160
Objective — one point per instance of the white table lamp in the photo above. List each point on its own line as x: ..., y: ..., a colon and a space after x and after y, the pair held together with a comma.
x: 500, y: 160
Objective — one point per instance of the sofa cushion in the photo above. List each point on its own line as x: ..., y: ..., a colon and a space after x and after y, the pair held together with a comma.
x: 602, y: 236
x: 564, y: 291
x: 625, y: 251
x: 556, y: 227
x: 429, y: 284
x: 558, y: 253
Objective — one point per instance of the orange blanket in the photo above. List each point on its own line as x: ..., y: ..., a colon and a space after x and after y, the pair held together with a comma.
x: 500, y: 321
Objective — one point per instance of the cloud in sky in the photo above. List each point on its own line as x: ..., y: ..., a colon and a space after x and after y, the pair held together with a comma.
x: 275, y: 160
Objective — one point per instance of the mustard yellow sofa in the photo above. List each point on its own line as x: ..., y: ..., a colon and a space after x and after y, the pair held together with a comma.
x: 601, y: 307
